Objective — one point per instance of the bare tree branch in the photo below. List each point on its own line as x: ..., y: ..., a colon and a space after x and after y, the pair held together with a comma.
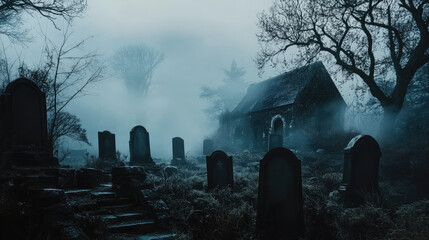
x: 11, y: 14
x: 367, y: 38
x: 64, y: 77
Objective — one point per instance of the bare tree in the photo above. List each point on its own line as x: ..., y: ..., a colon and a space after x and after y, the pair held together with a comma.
x: 11, y: 12
x: 136, y: 64
x: 64, y: 77
x: 366, y: 38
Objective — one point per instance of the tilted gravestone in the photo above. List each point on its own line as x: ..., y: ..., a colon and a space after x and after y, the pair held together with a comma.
x: 106, y: 146
x: 23, y: 125
x: 140, y: 147
x: 280, y: 204
x: 360, y: 173
x: 208, y: 146
x: 219, y: 170
x: 275, y: 141
x: 178, y: 151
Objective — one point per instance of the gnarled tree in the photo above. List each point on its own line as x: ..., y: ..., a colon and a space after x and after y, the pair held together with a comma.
x: 11, y: 13
x: 372, y: 39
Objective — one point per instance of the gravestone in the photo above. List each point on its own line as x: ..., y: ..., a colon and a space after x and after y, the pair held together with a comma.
x: 140, y: 147
x: 219, y: 170
x: 280, y: 204
x: 208, y: 146
x: 178, y: 151
x: 360, y: 173
x: 23, y: 125
x: 276, y: 141
x: 106, y: 146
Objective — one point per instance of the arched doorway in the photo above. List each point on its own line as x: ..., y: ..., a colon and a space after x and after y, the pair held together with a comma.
x: 277, y: 130
x: 278, y: 127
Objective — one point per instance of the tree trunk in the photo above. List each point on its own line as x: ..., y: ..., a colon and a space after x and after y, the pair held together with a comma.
x: 393, y: 108
x: 388, y: 122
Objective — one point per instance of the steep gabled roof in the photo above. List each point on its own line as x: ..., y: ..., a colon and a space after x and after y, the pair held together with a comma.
x: 278, y: 91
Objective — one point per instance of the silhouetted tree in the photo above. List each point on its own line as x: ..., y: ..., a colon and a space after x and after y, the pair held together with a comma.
x: 225, y: 97
x: 63, y: 77
x: 366, y: 38
x: 11, y: 12
x: 136, y: 64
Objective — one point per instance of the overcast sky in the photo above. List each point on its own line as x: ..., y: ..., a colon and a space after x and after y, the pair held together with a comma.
x: 199, y: 40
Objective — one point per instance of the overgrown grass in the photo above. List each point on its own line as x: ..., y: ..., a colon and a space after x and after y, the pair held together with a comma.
x: 231, y: 213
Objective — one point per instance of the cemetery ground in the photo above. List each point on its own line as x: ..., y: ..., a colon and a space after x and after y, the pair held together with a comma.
x: 401, y: 211
x: 397, y: 213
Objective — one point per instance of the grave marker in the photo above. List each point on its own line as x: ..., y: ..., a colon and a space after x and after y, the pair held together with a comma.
x: 280, y: 205
x: 23, y: 126
x: 178, y: 151
x: 208, y: 146
x: 140, y: 147
x: 360, y: 173
x: 24, y: 121
x: 106, y: 145
x: 219, y: 170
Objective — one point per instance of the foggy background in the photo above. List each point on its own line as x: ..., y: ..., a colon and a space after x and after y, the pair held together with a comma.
x: 199, y: 40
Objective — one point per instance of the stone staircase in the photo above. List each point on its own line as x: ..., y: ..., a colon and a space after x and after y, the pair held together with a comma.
x: 121, y: 216
x: 88, y: 193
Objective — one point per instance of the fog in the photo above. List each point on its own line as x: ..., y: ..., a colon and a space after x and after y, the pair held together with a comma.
x: 199, y: 40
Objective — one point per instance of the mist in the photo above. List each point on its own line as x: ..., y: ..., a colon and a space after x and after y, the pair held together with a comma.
x: 197, y: 45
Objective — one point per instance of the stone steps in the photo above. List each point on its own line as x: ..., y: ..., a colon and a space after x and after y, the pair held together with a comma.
x: 112, y: 202
x: 121, y: 208
x: 156, y: 236
x: 122, y: 217
x: 86, y: 207
x: 104, y: 194
x: 142, y: 226
x: 121, y: 214
x: 77, y: 192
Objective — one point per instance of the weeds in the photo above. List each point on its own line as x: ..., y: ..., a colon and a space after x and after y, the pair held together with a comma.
x: 231, y: 213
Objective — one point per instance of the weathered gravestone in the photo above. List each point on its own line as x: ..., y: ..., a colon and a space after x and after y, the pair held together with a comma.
x: 140, y: 147
x: 106, y: 146
x: 208, y: 146
x: 280, y: 205
x: 23, y: 125
x: 275, y: 141
x: 219, y: 170
x: 360, y: 173
x: 178, y: 151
